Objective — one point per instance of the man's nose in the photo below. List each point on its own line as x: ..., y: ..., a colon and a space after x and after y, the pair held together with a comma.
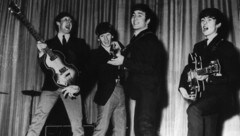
x: 69, y: 20
x: 205, y: 22
x: 134, y: 18
x: 105, y: 38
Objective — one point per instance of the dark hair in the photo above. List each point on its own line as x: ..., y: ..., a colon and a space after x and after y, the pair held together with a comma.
x: 60, y: 16
x: 105, y: 27
x: 212, y: 13
x: 215, y: 14
x: 143, y: 7
x: 149, y: 15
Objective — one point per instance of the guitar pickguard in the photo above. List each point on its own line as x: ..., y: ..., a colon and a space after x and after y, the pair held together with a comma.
x: 64, y: 73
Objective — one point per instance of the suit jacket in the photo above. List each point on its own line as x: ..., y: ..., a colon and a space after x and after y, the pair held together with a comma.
x: 103, y: 74
x: 144, y: 61
x: 74, y: 53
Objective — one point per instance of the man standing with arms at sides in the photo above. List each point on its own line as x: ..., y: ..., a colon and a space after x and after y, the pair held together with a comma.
x: 143, y: 61
x: 62, y: 75
x: 110, y: 98
x: 216, y: 87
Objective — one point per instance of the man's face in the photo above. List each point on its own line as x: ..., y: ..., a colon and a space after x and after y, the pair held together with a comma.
x: 65, y: 25
x: 105, y: 39
x: 139, y: 21
x: 209, y: 26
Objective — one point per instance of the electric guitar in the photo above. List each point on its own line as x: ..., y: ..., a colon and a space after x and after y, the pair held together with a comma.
x: 64, y: 74
x: 195, y: 86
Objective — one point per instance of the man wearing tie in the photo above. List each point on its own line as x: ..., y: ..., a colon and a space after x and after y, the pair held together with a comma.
x: 75, y: 54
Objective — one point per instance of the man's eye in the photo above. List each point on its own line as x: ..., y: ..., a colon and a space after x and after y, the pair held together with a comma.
x: 69, y: 20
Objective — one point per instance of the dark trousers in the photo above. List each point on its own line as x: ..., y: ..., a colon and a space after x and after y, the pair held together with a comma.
x: 145, y: 115
x: 203, y: 115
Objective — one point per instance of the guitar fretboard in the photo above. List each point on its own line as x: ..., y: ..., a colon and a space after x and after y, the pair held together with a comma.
x: 29, y: 26
x: 213, y: 68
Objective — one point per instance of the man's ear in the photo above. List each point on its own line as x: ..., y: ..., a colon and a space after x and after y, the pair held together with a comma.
x: 219, y: 25
x: 58, y: 23
x: 148, y: 21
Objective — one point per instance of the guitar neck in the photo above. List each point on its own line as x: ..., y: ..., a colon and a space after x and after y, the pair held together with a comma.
x: 15, y: 10
x: 206, y: 70
x: 29, y: 26
x: 203, y: 71
x: 34, y: 33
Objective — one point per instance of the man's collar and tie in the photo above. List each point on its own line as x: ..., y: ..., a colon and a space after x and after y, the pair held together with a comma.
x: 64, y: 42
x: 63, y: 38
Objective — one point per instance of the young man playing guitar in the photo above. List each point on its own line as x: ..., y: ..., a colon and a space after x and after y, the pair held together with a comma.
x: 216, y: 89
x: 62, y: 60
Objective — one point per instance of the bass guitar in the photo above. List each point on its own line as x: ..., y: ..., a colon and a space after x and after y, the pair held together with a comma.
x: 195, y: 86
x: 64, y: 74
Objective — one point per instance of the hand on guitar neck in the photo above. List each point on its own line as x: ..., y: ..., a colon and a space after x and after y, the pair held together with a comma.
x: 41, y: 46
x: 193, y: 74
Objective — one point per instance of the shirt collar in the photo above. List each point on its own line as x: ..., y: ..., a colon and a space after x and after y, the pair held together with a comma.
x: 60, y: 35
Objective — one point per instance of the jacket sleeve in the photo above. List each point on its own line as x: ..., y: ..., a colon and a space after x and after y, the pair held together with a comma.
x: 229, y: 62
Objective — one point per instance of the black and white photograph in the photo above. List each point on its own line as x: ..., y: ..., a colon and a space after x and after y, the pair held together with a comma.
x: 120, y: 67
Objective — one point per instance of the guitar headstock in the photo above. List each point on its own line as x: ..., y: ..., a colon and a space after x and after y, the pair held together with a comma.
x: 14, y: 8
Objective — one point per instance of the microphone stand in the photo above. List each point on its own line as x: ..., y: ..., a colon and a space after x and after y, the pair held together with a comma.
x: 31, y: 93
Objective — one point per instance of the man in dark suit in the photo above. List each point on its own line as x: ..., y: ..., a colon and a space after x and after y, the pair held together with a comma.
x: 62, y: 66
x: 143, y: 60
x: 210, y: 100
x: 110, y: 98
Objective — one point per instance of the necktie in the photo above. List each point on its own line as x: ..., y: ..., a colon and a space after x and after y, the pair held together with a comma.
x: 64, y: 40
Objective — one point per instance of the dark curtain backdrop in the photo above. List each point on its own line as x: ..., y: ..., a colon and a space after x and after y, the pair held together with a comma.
x: 178, y: 30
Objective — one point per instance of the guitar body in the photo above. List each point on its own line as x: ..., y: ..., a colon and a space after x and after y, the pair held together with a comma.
x: 64, y: 74
x: 195, y: 86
